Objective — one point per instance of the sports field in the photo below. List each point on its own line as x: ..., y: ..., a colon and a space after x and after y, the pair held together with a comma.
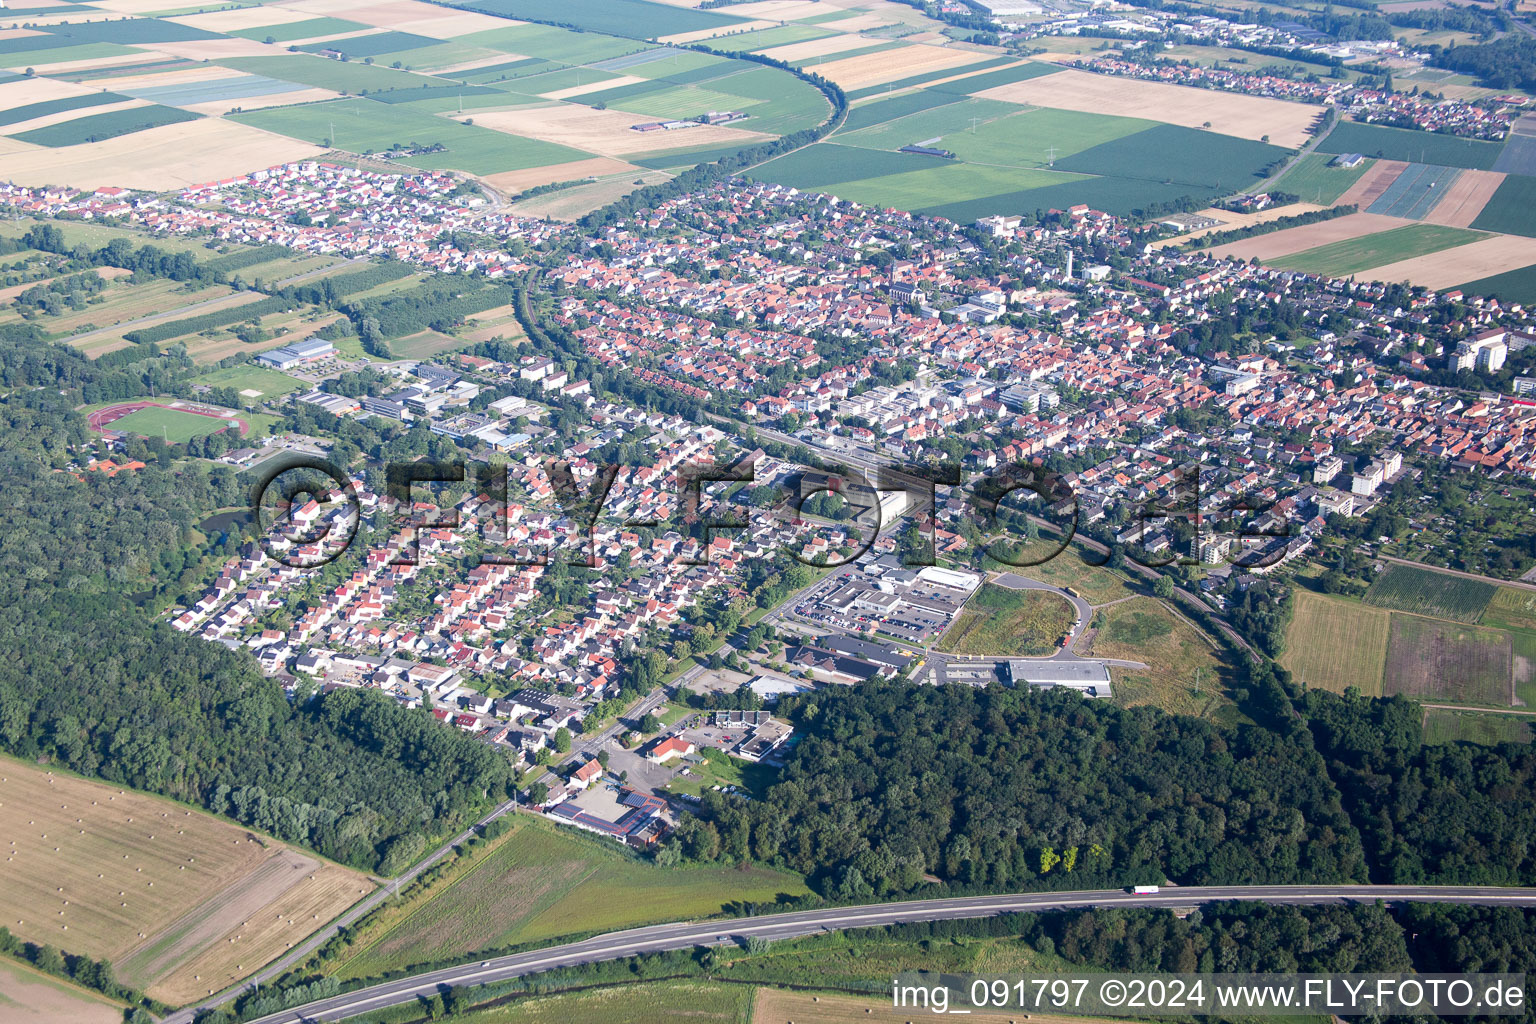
x: 1000, y: 621
x: 1316, y: 182
x: 1341, y: 259
x: 152, y: 885
x: 1333, y: 643
x: 1433, y: 658
x: 1439, y: 595
x: 173, y: 425
x: 255, y: 383
x: 542, y: 881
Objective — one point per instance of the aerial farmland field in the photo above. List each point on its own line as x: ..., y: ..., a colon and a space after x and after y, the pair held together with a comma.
x: 1433, y: 658
x: 544, y: 880
x: 1410, y: 146
x: 1316, y: 182
x: 1408, y: 588
x: 1442, y: 725
x: 1340, y: 259
x: 150, y: 884
x: 1334, y: 643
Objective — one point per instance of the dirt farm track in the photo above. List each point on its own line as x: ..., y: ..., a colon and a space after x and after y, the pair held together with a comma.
x: 102, y: 419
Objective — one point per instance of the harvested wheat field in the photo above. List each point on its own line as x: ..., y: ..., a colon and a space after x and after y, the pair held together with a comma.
x: 216, y: 49
x: 778, y: 10
x: 516, y: 181
x: 1231, y: 221
x: 1370, y: 185
x: 1309, y: 236
x: 245, y: 926
x: 818, y: 47
x: 605, y: 132
x: 104, y: 871
x: 889, y: 65
x: 777, y: 1006
x: 275, y: 99
x: 710, y: 33
x: 599, y: 86
x: 1246, y: 117
x: 36, y: 90
x: 1465, y: 199
x: 157, y: 159
x: 1470, y: 262
x: 241, y: 18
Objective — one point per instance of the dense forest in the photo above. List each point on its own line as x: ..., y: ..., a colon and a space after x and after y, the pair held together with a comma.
x: 1019, y: 789
x: 1507, y: 63
x: 92, y: 680
x: 1446, y: 813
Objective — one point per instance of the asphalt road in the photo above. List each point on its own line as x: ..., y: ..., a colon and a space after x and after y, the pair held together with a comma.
x: 659, y: 938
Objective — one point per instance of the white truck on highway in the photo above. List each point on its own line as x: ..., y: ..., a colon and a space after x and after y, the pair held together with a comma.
x: 1144, y: 890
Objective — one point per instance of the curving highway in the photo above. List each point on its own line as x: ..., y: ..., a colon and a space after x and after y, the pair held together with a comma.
x: 665, y: 937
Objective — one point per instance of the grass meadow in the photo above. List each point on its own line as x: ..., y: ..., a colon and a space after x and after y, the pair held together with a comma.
x: 1335, y: 643
x: 541, y: 881
x: 1354, y: 255
x: 1001, y: 621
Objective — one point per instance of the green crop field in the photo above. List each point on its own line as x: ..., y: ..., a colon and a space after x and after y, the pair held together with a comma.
x: 439, y: 55
x: 323, y: 73
x: 1512, y: 209
x: 1176, y: 154
x: 1334, y: 644
x: 27, y: 111
x: 934, y: 181
x: 374, y: 44
x: 172, y: 424
x: 948, y: 124
x: 555, y: 44
x: 993, y: 79
x: 1000, y: 621
x: 767, y: 38
x: 99, y: 127
x: 1025, y: 138
x: 1411, y: 146
x: 543, y: 881
x: 1440, y: 595
x: 1487, y: 728
x: 623, y: 17
x: 62, y: 53
x: 983, y: 63
x: 310, y: 28
x: 867, y: 115
x: 1316, y: 182
x: 1436, y: 659
x: 1510, y: 286
x: 1511, y: 608
x: 363, y: 126
x: 1125, y: 197
x: 1354, y: 255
